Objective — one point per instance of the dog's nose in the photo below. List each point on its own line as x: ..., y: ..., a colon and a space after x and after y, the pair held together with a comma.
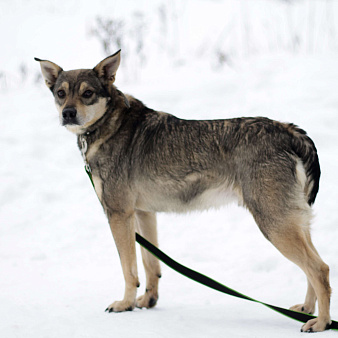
x: 69, y: 115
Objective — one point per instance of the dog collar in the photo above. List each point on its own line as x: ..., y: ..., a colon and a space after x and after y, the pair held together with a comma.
x: 83, y: 149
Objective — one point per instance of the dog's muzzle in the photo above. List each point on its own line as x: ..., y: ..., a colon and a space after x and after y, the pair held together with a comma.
x: 69, y: 116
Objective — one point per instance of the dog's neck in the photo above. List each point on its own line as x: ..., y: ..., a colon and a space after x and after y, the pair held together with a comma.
x: 108, y: 124
x: 115, y: 105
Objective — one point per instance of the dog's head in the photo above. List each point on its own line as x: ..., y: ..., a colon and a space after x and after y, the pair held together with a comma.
x: 81, y: 96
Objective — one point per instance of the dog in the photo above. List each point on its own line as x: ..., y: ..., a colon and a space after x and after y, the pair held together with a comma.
x: 143, y: 161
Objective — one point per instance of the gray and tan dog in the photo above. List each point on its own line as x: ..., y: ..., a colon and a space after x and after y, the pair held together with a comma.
x: 143, y: 161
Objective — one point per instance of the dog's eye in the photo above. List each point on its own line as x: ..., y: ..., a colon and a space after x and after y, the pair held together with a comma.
x: 61, y: 93
x: 87, y: 94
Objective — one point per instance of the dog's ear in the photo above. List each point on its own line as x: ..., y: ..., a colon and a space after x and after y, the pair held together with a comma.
x: 50, y: 72
x: 107, y: 68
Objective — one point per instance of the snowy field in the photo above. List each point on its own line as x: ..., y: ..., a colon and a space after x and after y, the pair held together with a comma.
x: 59, y: 268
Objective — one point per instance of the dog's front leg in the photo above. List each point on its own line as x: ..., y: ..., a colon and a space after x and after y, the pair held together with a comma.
x: 122, y: 225
x: 146, y: 226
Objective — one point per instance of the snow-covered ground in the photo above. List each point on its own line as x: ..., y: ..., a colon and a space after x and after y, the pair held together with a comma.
x: 59, y: 268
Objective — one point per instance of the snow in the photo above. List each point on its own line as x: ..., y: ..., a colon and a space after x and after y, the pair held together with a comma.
x: 59, y: 266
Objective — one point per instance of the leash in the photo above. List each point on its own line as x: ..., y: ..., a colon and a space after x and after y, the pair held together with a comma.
x: 204, y: 280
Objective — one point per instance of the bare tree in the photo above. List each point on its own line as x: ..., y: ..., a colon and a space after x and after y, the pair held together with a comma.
x: 110, y: 33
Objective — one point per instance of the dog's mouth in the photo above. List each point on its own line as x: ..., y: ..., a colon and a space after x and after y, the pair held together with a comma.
x: 73, y: 122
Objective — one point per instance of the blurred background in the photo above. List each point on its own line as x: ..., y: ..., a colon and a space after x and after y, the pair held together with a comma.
x: 152, y: 34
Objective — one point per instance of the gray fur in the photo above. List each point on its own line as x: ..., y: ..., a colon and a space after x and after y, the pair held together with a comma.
x: 144, y: 161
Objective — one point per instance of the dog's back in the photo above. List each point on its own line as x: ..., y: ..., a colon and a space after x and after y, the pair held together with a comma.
x: 143, y: 161
x: 188, y: 161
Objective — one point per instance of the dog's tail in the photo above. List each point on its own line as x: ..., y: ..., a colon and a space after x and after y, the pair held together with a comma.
x: 305, y: 149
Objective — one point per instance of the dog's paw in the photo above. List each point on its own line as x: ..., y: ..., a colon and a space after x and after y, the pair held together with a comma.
x: 120, y: 306
x: 316, y: 325
x: 303, y: 308
x: 148, y: 300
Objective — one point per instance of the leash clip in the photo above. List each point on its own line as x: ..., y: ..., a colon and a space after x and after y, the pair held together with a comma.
x: 84, y: 148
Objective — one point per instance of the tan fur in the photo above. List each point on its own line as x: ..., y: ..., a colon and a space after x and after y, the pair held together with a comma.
x: 83, y: 87
x: 144, y: 161
x: 150, y: 200
x: 87, y: 114
x: 98, y: 186
x: 146, y: 226
x: 65, y: 87
x: 122, y: 225
x: 296, y: 246
x: 90, y: 114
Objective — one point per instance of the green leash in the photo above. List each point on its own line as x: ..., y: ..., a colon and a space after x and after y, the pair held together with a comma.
x: 202, y: 279
x: 198, y: 277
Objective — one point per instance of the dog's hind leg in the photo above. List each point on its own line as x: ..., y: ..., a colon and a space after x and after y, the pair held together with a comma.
x: 311, y: 298
x: 146, y: 226
x: 122, y: 225
x: 309, y: 304
x: 289, y: 233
